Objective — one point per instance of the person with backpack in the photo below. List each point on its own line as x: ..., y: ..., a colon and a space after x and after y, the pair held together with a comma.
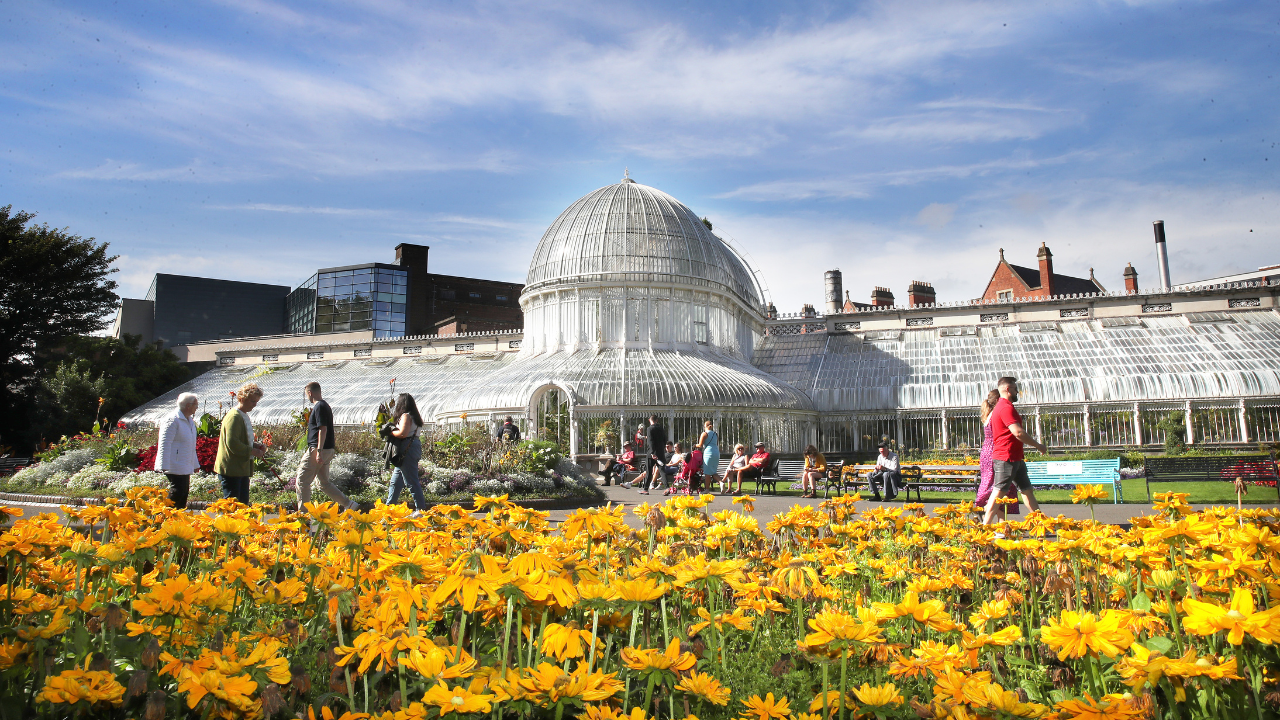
x: 509, y: 432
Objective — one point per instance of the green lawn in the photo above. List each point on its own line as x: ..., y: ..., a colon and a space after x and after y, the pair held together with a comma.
x: 1135, y: 491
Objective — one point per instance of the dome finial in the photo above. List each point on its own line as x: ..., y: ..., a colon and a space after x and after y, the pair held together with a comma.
x: 626, y: 175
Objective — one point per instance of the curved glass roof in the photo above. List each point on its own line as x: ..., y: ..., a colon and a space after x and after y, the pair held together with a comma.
x: 450, y: 384
x: 633, y: 378
x: 628, y: 233
x: 1206, y: 355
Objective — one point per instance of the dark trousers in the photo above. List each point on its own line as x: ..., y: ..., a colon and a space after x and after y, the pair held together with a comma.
x: 889, y: 480
x: 650, y: 463
x: 179, y: 488
x: 235, y: 487
x: 615, y: 470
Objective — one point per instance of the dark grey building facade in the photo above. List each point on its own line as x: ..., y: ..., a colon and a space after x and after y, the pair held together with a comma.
x: 187, y: 309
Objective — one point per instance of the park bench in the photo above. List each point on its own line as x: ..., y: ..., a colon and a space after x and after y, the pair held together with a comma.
x: 11, y: 465
x: 916, y: 477
x: 770, y: 476
x: 791, y: 470
x: 1214, y: 468
x: 1078, y: 472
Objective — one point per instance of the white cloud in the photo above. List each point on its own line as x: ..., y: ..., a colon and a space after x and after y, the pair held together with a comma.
x: 936, y: 216
x: 1104, y: 226
x: 865, y: 184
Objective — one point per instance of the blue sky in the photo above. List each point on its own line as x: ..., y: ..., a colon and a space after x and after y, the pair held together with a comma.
x: 259, y: 140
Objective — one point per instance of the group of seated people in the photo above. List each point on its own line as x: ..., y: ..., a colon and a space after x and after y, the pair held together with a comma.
x: 682, y: 472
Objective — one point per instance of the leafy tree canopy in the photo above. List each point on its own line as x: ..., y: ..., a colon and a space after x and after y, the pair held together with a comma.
x: 54, y: 285
x: 102, y: 378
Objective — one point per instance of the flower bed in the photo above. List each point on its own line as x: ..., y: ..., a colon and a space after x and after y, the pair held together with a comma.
x: 834, y: 613
x: 79, y: 469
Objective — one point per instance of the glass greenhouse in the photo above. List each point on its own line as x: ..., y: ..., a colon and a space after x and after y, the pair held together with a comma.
x: 634, y: 306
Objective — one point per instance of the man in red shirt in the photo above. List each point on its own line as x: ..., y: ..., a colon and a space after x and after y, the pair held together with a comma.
x: 754, y: 469
x: 1008, y: 437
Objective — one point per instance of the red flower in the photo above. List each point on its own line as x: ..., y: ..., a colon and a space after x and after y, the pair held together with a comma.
x: 206, y: 452
x: 147, y: 459
x: 120, y: 424
x: 206, y: 455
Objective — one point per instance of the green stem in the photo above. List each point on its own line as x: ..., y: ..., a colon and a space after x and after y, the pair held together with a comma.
x: 462, y: 633
x: 826, y: 713
x: 844, y: 680
x: 506, y: 639
x: 595, y: 626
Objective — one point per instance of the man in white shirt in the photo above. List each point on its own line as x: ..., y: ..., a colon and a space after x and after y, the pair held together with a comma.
x: 887, y: 474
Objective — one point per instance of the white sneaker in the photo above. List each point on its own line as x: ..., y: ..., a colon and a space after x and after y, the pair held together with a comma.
x: 415, y: 514
x: 998, y: 536
x: 626, y: 485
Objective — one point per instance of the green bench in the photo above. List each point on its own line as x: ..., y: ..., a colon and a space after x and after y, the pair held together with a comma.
x: 1078, y: 472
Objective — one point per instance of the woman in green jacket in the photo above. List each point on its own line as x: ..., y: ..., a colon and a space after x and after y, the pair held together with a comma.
x: 236, y: 446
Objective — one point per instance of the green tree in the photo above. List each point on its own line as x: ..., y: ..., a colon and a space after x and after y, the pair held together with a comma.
x: 54, y: 285
x: 117, y: 375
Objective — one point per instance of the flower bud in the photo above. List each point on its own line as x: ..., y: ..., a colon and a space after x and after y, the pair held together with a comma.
x: 155, y: 706
x: 1165, y: 580
x: 150, y: 654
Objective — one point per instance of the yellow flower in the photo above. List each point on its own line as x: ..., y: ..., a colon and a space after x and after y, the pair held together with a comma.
x: 838, y: 629
x: 1088, y: 494
x: 640, y: 590
x: 1110, y: 707
x: 91, y: 686
x: 747, y: 502
x: 236, y: 693
x: 649, y: 660
x: 1238, y: 620
x: 878, y: 696
x: 990, y: 610
x: 767, y: 708
x: 457, y: 700
x: 796, y: 577
x: 705, y: 688
x: 565, y: 642
x: 1078, y: 634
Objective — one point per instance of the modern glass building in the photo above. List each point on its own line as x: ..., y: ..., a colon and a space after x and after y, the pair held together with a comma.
x: 354, y: 298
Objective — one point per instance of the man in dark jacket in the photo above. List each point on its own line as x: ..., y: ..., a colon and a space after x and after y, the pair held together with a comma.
x: 509, y: 432
x: 656, y: 439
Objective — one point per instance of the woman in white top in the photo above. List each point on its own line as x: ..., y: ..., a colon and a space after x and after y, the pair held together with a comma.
x: 176, y: 448
x: 737, y: 462
x: 408, y: 422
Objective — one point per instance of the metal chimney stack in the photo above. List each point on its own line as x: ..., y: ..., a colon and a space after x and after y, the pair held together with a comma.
x: 1162, y: 255
x: 834, y: 292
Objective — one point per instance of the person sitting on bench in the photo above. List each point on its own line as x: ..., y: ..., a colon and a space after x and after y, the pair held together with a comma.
x: 736, y: 463
x: 753, y: 470
x: 887, y: 474
x: 625, y: 462
x: 815, y: 469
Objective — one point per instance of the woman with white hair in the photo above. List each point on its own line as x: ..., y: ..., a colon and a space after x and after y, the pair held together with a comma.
x: 176, y: 448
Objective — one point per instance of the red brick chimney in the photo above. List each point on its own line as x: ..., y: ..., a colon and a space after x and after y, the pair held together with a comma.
x: 1130, y: 279
x: 1046, y: 270
x: 921, y: 293
x: 881, y: 297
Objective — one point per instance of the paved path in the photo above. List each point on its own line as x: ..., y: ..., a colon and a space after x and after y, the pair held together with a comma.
x: 769, y: 505
x: 766, y: 506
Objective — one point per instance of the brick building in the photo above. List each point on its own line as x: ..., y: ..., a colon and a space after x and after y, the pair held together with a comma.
x: 1010, y: 281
